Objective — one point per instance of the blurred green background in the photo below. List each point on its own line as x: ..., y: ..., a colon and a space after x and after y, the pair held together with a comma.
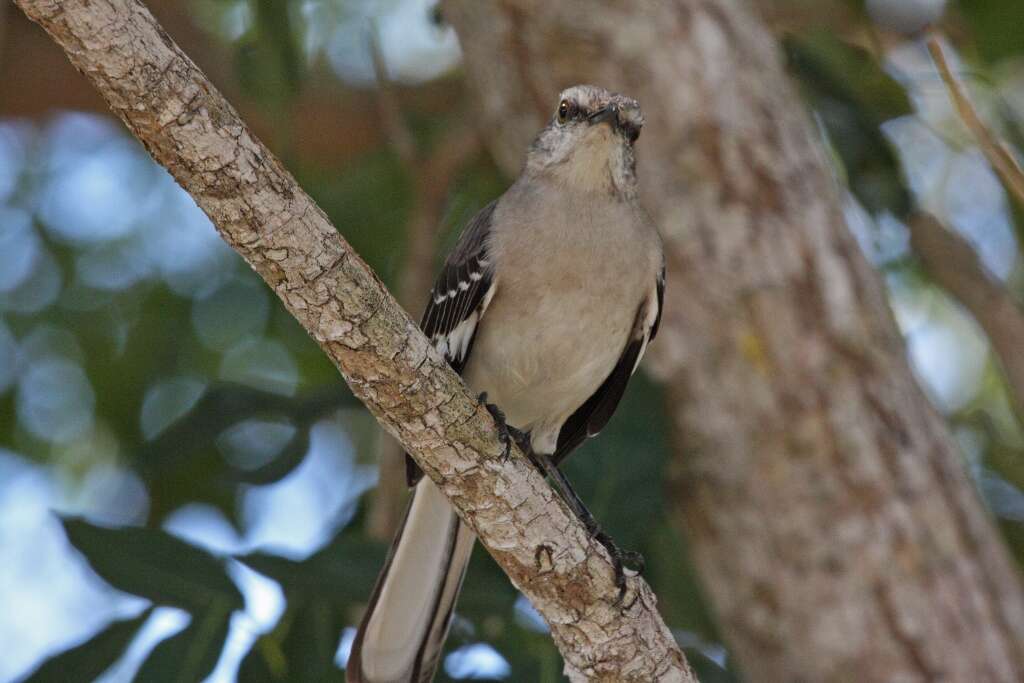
x: 185, y: 481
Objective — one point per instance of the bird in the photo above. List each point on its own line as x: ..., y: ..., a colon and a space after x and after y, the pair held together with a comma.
x: 545, y: 306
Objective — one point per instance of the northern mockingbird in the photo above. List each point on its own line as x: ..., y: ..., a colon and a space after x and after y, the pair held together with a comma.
x: 546, y: 306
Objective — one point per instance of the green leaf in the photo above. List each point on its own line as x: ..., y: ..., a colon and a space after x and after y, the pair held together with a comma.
x: 265, y: 663
x: 342, y: 571
x: 184, y: 462
x: 630, y: 453
x: 286, y: 460
x: 321, y: 592
x: 996, y: 26
x: 846, y: 72
x: 190, y: 655
x: 91, y: 658
x: 194, y: 435
x: 853, y: 96
x: 312, y: 642
x: 155, y: 565
x: 301, y: 647
x: 269, y: 64
x: 486, y: 590
x: 707, y: 670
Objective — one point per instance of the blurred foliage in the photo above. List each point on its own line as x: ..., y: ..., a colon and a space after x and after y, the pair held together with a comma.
x: 267, y: 58
x: 995, y: 26
x: 157, y: 566
x: 193, y: 384
x: 93, y: 657
x: 853, y: 95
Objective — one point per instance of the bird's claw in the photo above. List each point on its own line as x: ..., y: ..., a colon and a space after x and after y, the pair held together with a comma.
x: 621, y: 560
x: 506, y: 432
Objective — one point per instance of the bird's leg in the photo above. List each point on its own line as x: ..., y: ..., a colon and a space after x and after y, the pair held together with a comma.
x: 506, y: 432
x: 544, y: 464
x: 620, y: 558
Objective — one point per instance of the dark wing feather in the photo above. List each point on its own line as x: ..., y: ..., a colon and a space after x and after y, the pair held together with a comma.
x: 661, y: 303
x: 457, y: 301
x: 591, y: 417
x: 460, y: 289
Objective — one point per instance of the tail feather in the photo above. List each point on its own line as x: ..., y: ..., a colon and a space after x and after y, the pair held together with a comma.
x: 403, y: 631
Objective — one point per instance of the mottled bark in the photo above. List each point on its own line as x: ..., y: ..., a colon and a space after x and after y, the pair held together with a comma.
x: 432, y: 176
x: 830, y: 517
x: 259, y: 210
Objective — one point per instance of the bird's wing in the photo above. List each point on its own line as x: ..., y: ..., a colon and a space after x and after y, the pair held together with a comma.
x: 459, y: 299
x: 660, y: 296
x: 591, y: 417
x: 461, y: 293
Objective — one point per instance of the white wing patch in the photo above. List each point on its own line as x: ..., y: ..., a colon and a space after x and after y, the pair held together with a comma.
x: 650, y: 315
x: 455, y: 345
x: 460, y: 287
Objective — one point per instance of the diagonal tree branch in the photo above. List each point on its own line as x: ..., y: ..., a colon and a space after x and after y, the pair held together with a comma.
x: 261, y: 212
x: 432, y: 174
x: 953, y: 264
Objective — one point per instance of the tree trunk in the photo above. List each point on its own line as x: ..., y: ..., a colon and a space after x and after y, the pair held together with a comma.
x: 829, y: 513
x: 190, y: 129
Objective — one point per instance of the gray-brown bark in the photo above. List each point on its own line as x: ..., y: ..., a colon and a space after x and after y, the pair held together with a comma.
x: 260, y: 211
x: 830, y: 517
x: 954, y: 266
x: 432, y: 175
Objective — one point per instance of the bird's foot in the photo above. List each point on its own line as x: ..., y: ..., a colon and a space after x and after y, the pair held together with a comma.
x: 621, y: 561
x: 506, y: 432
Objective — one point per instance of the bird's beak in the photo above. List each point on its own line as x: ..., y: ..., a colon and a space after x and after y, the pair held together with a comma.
x: 608, y: 114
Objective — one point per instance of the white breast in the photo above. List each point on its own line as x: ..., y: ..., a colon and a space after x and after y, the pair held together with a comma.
x: 567, y: 295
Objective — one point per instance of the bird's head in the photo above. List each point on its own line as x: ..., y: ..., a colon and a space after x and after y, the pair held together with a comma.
x: 588, y: 144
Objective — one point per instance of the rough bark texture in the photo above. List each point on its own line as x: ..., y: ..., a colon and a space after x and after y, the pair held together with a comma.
x: 831, y: 519
x: 260, y: 211
x: 432, y: 177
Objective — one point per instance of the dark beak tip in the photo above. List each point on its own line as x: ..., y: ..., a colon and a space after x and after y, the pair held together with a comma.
x: 608, y: 114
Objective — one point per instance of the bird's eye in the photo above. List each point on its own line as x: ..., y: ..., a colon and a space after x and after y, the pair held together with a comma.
x: 563, y: 111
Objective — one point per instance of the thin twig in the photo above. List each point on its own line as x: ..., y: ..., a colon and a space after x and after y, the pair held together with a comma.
x: 399, y: 135
x: 994, y: 149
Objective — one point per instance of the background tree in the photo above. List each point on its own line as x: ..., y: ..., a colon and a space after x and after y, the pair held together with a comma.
x: 121, y: 374
x: 829, y: 513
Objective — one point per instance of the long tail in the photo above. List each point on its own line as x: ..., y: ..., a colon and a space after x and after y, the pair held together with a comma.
x: 405, y: 625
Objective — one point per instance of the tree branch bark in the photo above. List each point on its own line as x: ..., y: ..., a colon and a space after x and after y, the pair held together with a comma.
x: 259, y: 210
x: 829, y: 514
x: 955, y: 267
x: 432, y: 176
